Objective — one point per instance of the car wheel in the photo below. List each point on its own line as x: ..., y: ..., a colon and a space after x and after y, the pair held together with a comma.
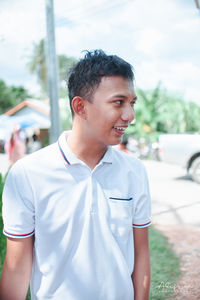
x: 195, y: 170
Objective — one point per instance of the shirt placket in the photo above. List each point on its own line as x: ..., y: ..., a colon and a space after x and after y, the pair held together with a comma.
x: 93, y: 195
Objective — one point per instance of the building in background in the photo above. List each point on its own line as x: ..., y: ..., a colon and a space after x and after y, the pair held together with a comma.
x: 31, y: 115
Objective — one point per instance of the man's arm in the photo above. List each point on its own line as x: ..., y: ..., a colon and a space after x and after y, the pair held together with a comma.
x: 17, y: 269
x: 141, y: 273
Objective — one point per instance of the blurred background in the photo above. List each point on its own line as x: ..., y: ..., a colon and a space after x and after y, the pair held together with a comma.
x: 159, y: 38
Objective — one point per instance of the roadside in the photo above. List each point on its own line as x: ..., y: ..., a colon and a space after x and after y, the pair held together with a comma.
x: 175, y: 212
x: 165, y: 264
x: 186, y: 244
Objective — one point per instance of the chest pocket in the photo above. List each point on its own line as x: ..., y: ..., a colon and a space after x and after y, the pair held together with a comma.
x: 120, y: 216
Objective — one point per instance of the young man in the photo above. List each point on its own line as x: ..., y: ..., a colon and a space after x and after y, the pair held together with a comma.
x: 76, y: 212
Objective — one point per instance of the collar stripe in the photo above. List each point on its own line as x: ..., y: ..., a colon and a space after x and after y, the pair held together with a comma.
x: 63, y: 154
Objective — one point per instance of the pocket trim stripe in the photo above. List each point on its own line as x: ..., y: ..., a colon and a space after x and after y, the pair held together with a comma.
x: 122, y: 199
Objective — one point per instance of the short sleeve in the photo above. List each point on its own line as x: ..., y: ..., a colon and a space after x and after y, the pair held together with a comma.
x: 142, y: 204
x: 18, y: 204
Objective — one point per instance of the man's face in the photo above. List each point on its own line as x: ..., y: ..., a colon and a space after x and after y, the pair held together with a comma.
x: 111, y: 110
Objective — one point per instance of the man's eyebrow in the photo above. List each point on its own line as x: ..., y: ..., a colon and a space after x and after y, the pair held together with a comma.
x: 123, y: 97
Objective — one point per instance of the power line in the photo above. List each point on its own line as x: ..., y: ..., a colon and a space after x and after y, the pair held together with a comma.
x: 76, y: 8
x: 90, y: 13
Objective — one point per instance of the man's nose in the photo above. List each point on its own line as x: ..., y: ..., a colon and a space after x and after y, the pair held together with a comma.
x: 128, y: 113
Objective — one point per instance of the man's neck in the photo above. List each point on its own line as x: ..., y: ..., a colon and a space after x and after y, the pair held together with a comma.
x: 85, y: 149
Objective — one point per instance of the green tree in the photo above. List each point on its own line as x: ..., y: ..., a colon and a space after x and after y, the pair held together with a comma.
x: 18, y: 93
x: 192, y: 116
x: 6, y: 100
x: 159, y: 111
x: 148, y: 110
x: 64, y: 65
x: 65, y: 114
x: 37, y: 66
x: 11, y: 96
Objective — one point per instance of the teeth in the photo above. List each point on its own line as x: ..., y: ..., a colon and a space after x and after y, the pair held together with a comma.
x: 119, y: 128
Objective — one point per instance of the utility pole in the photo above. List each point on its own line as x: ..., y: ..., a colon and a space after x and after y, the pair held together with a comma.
x: 197, y: 4
x: 52, y: 72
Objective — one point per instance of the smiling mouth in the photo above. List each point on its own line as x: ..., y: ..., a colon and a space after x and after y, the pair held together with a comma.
x: 120, y: 128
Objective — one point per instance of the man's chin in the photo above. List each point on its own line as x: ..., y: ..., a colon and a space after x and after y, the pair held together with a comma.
x: 115, y: 142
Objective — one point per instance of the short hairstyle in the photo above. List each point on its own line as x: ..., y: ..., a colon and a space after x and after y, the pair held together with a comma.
x: 85, y: 76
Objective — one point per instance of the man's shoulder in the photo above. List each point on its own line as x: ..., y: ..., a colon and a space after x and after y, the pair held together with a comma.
x: 39, y: 158
x: 127, y: 157
x: 129, y: 163
x: 43, y: 153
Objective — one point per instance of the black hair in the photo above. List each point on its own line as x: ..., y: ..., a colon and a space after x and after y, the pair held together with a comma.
x: 86, y: 75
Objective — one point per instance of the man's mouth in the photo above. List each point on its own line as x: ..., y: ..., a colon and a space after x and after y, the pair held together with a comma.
x: 120, y: 129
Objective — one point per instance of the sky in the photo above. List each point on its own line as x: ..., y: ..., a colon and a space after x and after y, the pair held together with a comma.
x: 160, y: 38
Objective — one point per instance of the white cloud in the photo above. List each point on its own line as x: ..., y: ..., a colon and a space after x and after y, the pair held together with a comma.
x: 149, y: 41
x: 20, y: 24
x: 182, y: 78
x: 185, y: 75
x: 160, y: 38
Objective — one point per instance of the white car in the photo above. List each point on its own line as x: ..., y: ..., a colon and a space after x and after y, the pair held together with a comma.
x: 182, y: 149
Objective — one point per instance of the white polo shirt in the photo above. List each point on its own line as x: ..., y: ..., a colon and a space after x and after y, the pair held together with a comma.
x: 82, y: 221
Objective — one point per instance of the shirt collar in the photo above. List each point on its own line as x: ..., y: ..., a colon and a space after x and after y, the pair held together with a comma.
x: 107, y: 158
x: 70, y: 158
x: 67, y: 154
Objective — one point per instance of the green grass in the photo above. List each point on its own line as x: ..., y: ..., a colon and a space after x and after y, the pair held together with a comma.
x: 165, y: 265
x: 2, y: 237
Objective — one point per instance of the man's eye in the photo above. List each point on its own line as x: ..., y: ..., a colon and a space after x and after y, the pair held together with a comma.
x: 119, y: 102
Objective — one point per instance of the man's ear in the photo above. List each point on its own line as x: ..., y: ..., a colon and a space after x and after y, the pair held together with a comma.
x: 78, y: 105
